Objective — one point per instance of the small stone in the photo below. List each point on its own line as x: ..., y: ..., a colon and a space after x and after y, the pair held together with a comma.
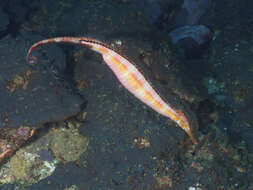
x: 118, y: 42
x: 82, y: 116
x: 141, y: 143
x: 164, y: 182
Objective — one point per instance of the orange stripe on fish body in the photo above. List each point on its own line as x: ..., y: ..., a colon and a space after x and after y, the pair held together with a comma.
x: 129, y: 76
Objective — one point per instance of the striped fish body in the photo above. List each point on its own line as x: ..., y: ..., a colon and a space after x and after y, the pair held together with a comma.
x: 129, y: 76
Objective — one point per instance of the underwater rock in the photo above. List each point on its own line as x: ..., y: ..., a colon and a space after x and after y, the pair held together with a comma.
x: 45, y: 155
x: 160, y: 13
x: 33, y: 95
x: 191, y: 12
x: 16, y: 10
x: 199, y: 33
x: 26, y: 167
x: 38, y: 160
x: 191, y: 41
x: 11, y: 140
x: 150, y: 8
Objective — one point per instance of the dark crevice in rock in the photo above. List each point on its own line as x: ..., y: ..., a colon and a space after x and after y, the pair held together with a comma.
x: 15, y: 20
x: 4, y: 33
x: 69, y: 72
x: 205, y: 109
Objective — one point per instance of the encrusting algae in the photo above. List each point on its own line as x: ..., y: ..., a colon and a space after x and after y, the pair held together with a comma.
x: 38, y: 160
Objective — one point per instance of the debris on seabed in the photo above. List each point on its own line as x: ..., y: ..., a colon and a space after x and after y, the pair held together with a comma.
x: 141, y: 143
x: 197, y: 186
x: 163, y: 182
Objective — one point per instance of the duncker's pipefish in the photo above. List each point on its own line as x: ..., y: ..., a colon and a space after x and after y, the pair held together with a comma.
x: 128, y: 75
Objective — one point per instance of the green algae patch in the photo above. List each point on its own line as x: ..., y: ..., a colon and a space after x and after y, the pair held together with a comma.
x: 67, y: 144
x: 19, y: 165
x: 28, y: 168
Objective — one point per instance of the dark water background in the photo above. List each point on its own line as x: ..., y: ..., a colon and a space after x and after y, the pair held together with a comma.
x: 210, y: 70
